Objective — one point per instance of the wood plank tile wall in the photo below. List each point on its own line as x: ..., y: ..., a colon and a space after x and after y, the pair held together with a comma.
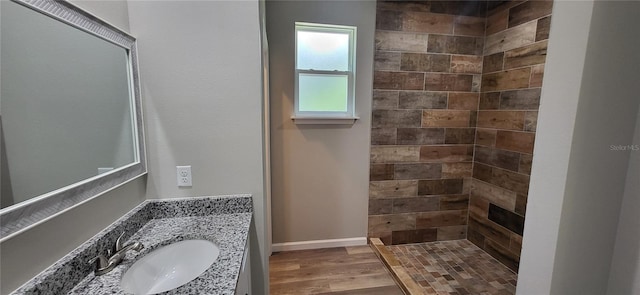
x: 514, y: 56
x: 428, y: 70
x: 456, y: 96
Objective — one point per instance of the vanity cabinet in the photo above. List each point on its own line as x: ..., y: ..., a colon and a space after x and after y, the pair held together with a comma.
x: 244, y: 279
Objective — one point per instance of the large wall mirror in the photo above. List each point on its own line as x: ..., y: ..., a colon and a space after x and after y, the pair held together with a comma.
x: 70, y: 119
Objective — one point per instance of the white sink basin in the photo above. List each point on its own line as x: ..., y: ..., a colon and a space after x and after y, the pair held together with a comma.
x: 169, y: 267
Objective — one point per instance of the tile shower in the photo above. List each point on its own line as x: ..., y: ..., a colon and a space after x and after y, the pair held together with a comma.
x: 456, y: 94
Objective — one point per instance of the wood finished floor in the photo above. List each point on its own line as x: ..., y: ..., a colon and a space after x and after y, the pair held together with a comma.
x: 332, y: 271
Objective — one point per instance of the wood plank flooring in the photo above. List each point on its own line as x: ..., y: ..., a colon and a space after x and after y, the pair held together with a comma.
x: 332, y: 271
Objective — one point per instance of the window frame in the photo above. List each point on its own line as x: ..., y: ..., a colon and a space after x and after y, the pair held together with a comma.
x: 331, y: 117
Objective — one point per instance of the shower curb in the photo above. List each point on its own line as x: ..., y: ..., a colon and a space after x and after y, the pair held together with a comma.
x: 404, y: 280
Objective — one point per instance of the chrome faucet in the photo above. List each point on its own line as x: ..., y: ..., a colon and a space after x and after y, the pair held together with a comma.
x: 115, y: 256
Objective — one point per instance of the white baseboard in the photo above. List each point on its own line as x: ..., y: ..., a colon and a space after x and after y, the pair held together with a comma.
x: 318, y: 244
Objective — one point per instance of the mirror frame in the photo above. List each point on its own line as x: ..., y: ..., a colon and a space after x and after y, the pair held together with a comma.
x: 24, y: 215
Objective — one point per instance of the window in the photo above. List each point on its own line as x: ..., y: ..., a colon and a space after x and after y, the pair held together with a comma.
x: 325, y: 73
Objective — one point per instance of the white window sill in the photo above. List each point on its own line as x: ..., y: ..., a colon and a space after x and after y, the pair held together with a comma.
x: 318, y: 120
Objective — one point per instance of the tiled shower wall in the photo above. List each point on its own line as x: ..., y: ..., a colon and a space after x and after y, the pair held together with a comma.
x: 428, y: 67
x: 514, y: 56
x: 441, y: 69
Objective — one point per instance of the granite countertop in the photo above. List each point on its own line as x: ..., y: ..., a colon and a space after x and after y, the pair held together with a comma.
x: 223, y: 220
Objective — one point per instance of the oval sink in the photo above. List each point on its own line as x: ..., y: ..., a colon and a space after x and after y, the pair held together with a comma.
x: 169, y: 267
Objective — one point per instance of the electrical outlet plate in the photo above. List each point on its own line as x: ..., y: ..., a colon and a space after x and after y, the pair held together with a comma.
x: 184, y: 176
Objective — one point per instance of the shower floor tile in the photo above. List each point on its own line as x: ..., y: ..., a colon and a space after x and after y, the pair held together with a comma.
x: 454, y: 267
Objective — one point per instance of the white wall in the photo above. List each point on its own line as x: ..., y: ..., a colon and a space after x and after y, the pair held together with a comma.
x: 200, y: 70
x: 27, y: 254
x: 266, y: 143
x: 320, y: 173
x: 589, y: 102
x: 624, y: 277
x: 114, y: 12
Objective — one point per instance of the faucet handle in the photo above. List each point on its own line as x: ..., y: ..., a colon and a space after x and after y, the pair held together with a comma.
x: 118, y: 244
x: 101, y: 259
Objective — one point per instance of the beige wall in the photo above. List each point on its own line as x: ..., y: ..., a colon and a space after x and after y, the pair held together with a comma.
x: 589, y: 102
x: 30, y: 252
x: 200, y: 69
x: 319, y: 172
x: 606, y: 115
